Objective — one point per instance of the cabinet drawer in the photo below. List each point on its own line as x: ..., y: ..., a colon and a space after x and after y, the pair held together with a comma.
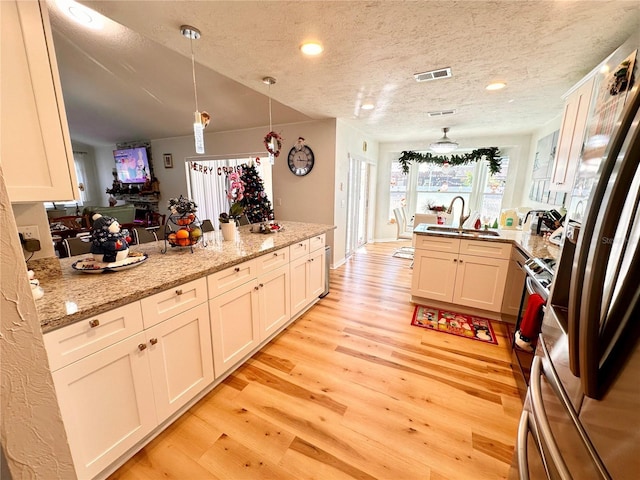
x: 164, y: 305
x: 271, y: 261
x: 73, y: 342
x: 485, y: 249
x: 299, y: 249
x: 224, y: 280
x: 439, y: 244
x: 317, y: 242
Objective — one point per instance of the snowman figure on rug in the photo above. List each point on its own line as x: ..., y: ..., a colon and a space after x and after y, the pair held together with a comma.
x: 109, y: 243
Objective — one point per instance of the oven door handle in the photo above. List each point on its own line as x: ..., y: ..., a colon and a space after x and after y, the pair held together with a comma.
x: 530, y: 288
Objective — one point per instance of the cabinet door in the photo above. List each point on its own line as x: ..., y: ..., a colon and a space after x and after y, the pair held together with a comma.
x: 434, y: 274
x: 235, y: 326
x: 275, y: 308
x: 480, y: 282
x: 299, y: 284
x: 570, y: 141
x: 33, y: 121
x: 106, y: 401
x: 316, y: 265
x: 180, y: 359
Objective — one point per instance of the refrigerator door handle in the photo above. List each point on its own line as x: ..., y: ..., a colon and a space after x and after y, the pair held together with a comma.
x: 542, y: 422
x: 521, y: 446
x: 549, y: 372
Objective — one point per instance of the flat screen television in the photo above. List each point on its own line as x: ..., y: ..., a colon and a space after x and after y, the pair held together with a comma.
x: 132, y: 165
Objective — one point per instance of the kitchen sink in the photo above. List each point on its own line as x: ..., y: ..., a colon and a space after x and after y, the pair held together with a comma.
x: 461, y: 231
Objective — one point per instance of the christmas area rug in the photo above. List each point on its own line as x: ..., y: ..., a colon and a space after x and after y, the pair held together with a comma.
x: 468, y: 326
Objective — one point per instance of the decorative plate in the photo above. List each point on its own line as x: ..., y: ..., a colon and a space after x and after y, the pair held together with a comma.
x: 89, y: 265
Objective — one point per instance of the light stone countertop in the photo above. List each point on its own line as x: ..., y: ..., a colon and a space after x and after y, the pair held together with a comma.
x: 71, y: 295
x: 530, y: 245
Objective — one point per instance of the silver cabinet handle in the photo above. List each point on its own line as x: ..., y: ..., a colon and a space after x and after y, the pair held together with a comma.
x: 94, y: 323
x: 179, y: 291
x: 142, y: 346
x: 153, y: 341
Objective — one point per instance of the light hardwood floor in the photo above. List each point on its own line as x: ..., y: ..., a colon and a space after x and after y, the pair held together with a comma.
x: 351, y: 390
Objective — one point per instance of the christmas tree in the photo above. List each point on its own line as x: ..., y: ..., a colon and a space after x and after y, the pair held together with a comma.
x: 257, y: 206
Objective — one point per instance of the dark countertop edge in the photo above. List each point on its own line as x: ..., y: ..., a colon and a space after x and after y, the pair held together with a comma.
x: 51, y: 324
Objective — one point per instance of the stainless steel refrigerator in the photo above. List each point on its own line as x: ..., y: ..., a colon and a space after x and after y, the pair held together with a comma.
x: 581, y: 418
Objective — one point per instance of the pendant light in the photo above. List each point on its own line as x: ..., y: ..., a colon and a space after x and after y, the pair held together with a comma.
x: 273, y: 140
x: 444, y: 145
x: 200, y: 120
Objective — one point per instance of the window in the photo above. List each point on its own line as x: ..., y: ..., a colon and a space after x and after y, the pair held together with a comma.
x: 428, y: 185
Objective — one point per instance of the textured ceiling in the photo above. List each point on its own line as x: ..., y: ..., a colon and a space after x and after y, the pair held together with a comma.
x: 133, y: 80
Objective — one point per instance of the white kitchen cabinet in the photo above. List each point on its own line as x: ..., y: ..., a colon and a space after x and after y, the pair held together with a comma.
x: 106, y: 402
x: 235, y: 325
x: 434, y: 274
x: 307, y: 274
x: 275, y: 309
x: 116, y: 381
x: 37, y: 158
x: 571, y: 138
x: 480, y: 282
x: 245, y: 316
x: 464, y: 272
x: 180, y: 358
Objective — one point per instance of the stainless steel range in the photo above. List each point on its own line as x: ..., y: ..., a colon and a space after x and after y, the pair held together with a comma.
x: 540, y: 273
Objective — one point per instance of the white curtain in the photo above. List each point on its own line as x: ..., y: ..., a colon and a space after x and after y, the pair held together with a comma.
x: 209, y: 190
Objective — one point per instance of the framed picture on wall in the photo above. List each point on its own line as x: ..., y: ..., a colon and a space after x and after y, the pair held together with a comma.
x: 168, y: 160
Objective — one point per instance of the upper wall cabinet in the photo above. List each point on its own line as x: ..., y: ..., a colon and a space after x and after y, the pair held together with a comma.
x: 36, y: 154
x: 570, y: 141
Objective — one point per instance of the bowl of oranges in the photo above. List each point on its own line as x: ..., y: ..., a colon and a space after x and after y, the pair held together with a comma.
x: 185, y: 236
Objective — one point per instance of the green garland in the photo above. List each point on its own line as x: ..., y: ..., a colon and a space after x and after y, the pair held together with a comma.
x: 491, y: 155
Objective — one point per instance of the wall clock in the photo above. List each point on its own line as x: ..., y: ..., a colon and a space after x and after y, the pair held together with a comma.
x: 300, y: 159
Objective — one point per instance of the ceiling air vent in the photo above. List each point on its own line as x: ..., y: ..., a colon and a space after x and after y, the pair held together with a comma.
x: 433, y: 75
x: 441, y: 113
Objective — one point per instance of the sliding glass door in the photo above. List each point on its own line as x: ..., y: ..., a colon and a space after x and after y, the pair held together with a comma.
x: 358, y: 204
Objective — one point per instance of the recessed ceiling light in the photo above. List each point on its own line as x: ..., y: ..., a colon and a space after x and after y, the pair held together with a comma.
x: 368, y: 104
x: 81, y: 14
x: 496, y: 86
x: 311, y: 48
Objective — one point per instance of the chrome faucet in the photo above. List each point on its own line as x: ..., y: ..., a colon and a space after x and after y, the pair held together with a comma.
x: 463, y: 218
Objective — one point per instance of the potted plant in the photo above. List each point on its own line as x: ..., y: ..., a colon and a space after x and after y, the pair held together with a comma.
x: 235, y: 194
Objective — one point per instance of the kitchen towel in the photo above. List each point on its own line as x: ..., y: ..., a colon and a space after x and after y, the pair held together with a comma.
x: 531, y: 322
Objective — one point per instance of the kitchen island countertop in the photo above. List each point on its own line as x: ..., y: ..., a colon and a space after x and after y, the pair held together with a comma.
x: 72, y: 295
x: 531, y: 245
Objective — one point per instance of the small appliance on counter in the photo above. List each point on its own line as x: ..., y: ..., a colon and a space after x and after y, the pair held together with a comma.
x: 540, y: 221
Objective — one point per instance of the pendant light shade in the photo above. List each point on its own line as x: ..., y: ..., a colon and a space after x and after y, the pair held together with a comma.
x: 444, y: 145
x: 199, y: 122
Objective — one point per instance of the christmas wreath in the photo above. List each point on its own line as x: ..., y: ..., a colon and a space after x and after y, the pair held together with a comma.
x: 267, y: 143
x: 491, y: 155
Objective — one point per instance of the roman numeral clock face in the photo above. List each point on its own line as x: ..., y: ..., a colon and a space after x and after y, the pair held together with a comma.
x: 300, y: 160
